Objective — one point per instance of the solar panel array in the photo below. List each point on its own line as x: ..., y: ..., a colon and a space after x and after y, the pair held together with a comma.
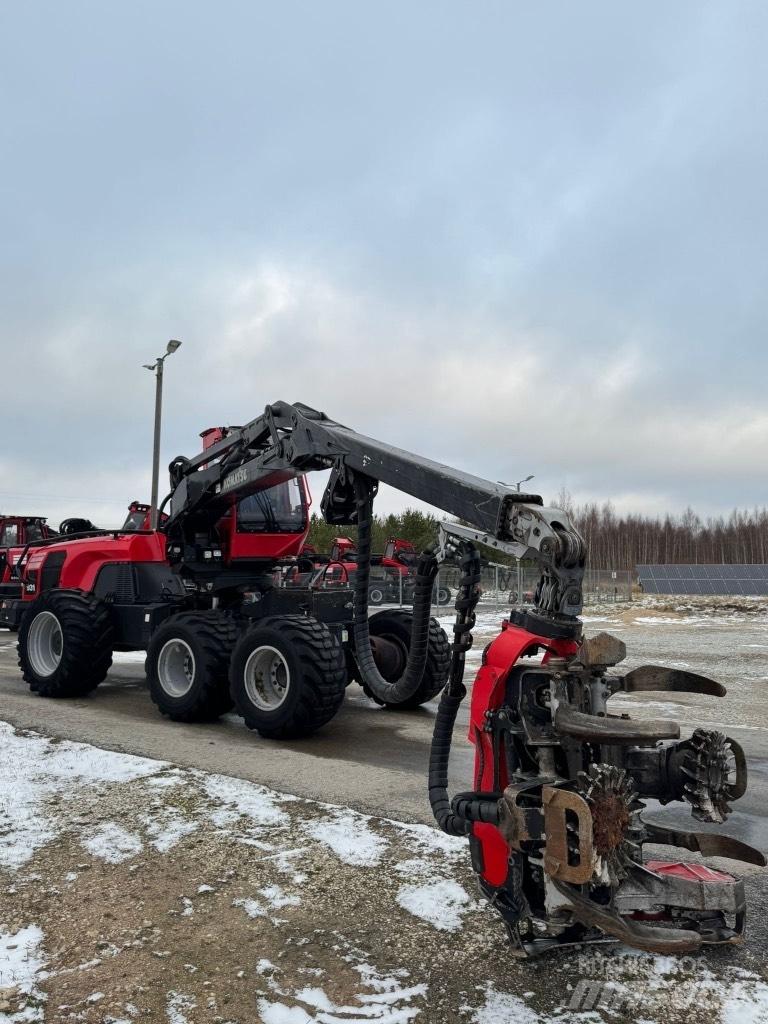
x: 704, y: 579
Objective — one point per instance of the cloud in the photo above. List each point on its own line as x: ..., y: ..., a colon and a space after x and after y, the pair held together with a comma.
x: 512, y: 243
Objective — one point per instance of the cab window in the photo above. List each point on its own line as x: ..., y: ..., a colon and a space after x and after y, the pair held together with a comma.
x: 278, y: 509
x: 34, y: 532
x: 9, y: 535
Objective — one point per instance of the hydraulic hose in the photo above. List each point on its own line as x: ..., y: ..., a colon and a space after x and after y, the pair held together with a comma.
x: 406, y: 686
x: 456, y: 817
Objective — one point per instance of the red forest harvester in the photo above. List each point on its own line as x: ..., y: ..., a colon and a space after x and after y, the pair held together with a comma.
x: 200, y: 594
x: 554, y: 820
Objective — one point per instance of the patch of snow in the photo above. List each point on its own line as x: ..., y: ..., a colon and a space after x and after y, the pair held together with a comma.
x: 279, y: 1013
x: 348, y: 835
x: 744, y: 1002
x: 430, y: 841
x: 167, y: 828
x: 240, y: 799
x: 112, y: 843
x: 668, y: 620
x: 284, y: 863
x: 504, y: 1008
x: 441, y: 903
x: 414, y: 867
x: 21, y: 960
x: 166, y: 780
x: 34, y: 771
x: 251, y: 907
x: 129, y: 657
x: 177, y: 1006
x: 278, y: 898
x: 389, y: 1003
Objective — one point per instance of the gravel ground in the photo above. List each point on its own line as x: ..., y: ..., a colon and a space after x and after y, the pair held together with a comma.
x: 134, y: 890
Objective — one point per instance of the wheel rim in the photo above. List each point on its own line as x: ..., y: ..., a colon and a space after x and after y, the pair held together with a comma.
x: 45, y: 644
x: 267, y: 678
x: 376, y: 596
x: 176, y: 668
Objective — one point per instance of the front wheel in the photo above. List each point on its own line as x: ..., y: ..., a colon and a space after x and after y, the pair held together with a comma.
x: 187, y: 663
x: 288, y: 676
x: 65, y: 643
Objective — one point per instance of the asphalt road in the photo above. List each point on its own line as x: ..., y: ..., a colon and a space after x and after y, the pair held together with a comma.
x: 367, y: 758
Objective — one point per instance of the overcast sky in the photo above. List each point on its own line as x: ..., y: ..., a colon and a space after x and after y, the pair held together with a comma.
x: 518, y: 238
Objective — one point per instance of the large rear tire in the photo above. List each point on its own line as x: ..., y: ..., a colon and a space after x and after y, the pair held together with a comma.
x: 288, y: 676
x: 65, y: 643
x: 394, y: 625
x: 187, y: 666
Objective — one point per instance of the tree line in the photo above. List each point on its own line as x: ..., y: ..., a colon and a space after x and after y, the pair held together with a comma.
x: 614, y: 540
x: 418, y: 527
x: 622, y: 541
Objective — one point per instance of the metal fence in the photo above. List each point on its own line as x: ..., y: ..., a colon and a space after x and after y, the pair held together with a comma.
x: 501, y: 585
x: 504, y: 585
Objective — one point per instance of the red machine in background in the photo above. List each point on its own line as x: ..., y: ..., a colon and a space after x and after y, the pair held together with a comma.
x: 393, y: 578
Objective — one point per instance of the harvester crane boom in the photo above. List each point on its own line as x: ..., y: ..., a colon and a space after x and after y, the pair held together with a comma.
x: 289, y: 440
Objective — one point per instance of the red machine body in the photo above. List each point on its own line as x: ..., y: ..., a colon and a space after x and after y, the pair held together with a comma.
x: 270, y: 525
x: 79, y: 562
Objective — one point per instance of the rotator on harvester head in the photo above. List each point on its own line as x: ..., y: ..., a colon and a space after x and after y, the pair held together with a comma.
x: 555, y: 820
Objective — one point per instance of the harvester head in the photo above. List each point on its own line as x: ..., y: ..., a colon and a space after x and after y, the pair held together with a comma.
x: 561, y: 856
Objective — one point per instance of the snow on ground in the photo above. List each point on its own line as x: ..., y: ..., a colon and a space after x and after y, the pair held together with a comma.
x: 442, y: 903
x: 21, y: 970
x: 112, y: 843
x: 134, y: 890
x: 350, y: 838
x: 34, y: 772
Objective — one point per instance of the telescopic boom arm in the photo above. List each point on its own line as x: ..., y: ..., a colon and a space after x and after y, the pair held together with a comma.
x: 289, y: 440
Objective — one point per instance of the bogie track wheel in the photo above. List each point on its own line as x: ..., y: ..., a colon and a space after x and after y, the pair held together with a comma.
x: 288, y: 676
x: 391, y: 640
x: 187, y: 665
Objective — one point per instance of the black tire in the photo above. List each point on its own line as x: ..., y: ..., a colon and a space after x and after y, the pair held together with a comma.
x: 443, y: 595
x: 192, y: 648
x: 306, y: 680
x: 65, y: 643
x: 376, y: 594
x: 395, y: 625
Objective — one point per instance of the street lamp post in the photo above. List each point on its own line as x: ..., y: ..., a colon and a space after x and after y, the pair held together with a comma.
x: 518, y: 485
x: 157, y: 368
